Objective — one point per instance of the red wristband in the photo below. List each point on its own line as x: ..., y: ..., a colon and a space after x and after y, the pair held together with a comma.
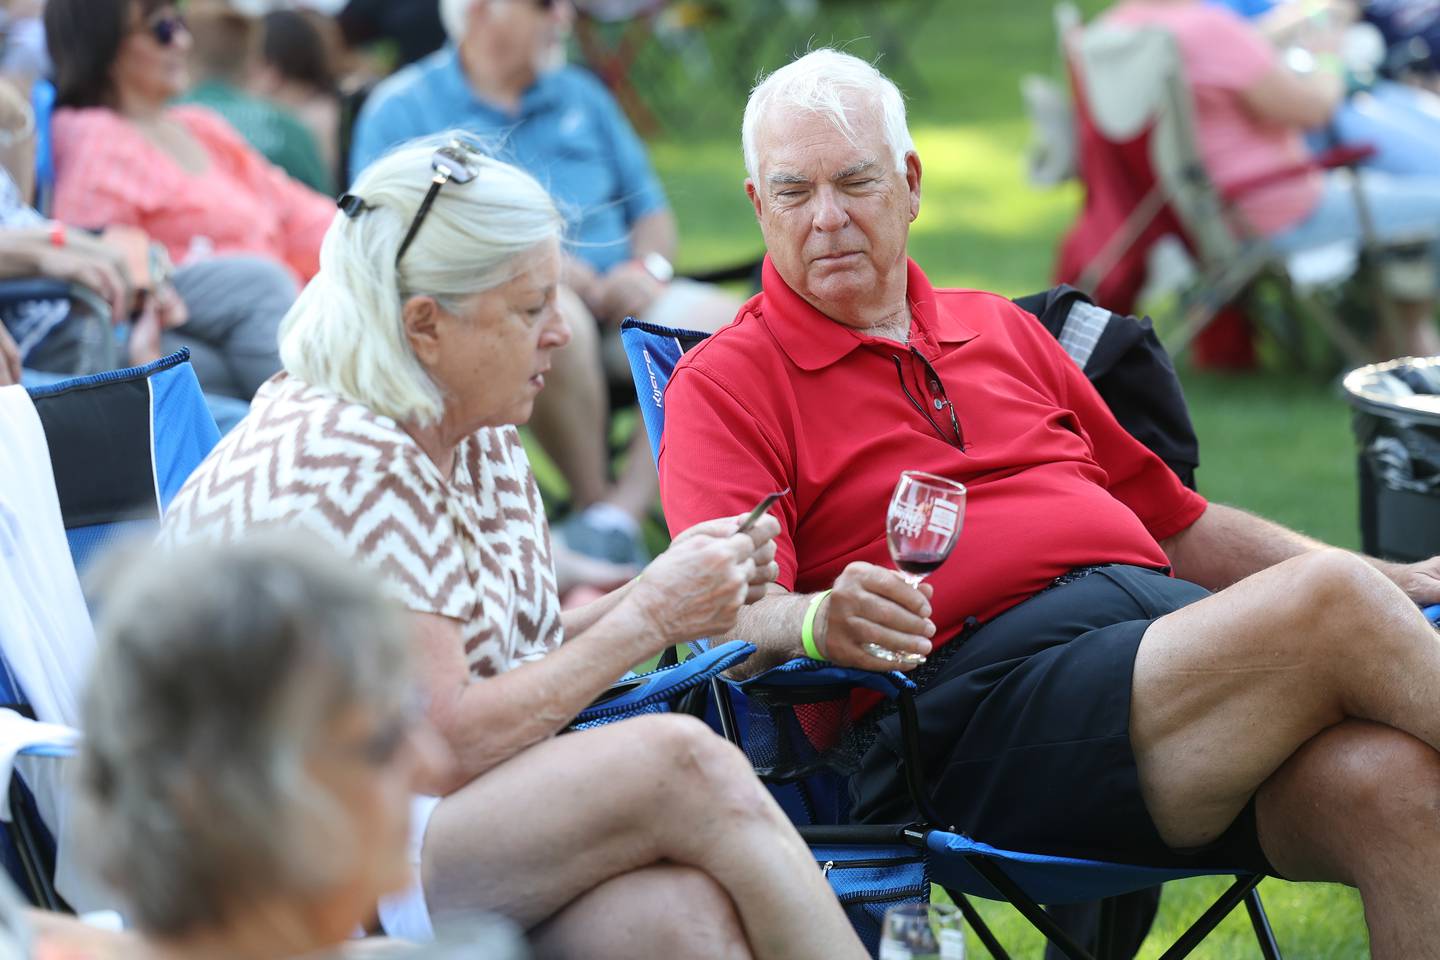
x: 57, y: 234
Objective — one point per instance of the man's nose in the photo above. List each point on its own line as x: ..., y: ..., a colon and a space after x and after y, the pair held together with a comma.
x: 830, y: 213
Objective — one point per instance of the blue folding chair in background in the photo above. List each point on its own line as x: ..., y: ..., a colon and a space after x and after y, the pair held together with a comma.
x: 794, y: 723
x: 121, y: 445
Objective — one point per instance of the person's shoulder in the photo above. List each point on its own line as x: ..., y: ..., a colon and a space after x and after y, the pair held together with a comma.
x: 208, y: 125
x: 577, y: 82
x: 321, y: 424
x: 980, y: 308
x: 743, y: 344
x: 75, y: 122
x: 411, y: 83
x: 992, y: 316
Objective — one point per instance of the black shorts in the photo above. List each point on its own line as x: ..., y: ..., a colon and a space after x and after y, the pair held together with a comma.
x: 1025, y: 738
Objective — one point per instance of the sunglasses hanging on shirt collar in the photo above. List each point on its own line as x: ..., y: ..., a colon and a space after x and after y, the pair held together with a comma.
x: 939, y: 399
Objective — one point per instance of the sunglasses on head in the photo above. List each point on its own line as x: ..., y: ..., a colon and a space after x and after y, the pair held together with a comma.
x: 456, y: 162
x: 165, y: 29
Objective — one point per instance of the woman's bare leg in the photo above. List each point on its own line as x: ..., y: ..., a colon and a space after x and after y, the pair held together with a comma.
x: 567, y: 815
x: 662, y: 911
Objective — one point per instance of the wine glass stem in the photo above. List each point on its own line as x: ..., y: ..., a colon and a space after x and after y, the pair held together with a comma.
x: 914, y: 579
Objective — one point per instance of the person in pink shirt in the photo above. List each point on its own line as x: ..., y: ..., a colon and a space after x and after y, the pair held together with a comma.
x: 1251, y: 112
x: 242, y: 233
x: 123, y: 155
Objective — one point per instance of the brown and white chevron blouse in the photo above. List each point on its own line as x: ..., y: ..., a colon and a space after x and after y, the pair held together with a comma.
x: 475, y: 548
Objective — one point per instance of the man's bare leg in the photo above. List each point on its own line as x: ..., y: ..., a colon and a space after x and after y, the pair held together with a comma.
x: 1360, y: 804
x: 1227, y: 689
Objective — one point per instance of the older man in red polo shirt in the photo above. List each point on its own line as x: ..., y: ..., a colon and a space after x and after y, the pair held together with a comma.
x: 1288, y: 722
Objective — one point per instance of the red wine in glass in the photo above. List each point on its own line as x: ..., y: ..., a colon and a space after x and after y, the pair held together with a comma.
x: 921, y: 527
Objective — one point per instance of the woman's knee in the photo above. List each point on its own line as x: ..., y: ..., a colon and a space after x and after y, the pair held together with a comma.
x: 697, y: 918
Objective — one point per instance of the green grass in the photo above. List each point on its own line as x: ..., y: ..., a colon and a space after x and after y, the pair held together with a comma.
x: 1276, y: 443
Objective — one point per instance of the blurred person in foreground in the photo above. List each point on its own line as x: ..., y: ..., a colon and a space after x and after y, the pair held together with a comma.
x: 497, y: 78
x: 251, y: 743
x: 410, y: 360
x: 124, y: 155
x: 1117, y: 669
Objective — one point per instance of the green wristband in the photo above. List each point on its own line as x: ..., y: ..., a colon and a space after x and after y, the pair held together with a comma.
x: 807, y: 629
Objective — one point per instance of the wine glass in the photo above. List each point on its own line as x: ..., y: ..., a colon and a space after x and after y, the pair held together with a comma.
x: 924, y: 520
x: 922, y: 931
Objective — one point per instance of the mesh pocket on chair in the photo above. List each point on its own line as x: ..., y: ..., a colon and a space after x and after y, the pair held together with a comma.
x: 808, y: 738
x: 869, y: 879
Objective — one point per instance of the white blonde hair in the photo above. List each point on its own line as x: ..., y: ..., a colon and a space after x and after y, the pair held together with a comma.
x: 453, y: 14
x: 833, y: 85
x: 346, y: 331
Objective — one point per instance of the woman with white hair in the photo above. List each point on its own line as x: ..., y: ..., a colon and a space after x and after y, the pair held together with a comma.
x: 409, y: 361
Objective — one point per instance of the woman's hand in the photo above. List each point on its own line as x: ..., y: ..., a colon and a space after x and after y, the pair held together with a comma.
x: 762, y: 534
x: 697, y: 587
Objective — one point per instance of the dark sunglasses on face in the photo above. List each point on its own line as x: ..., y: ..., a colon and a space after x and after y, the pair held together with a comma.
x: 165, y: 29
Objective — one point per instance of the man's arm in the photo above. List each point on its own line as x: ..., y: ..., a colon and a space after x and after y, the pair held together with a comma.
x: 655, y: 232
x: 868, y: 604
x: 1228, y: 544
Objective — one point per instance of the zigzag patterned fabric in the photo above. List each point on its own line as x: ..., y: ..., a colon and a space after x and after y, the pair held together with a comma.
x: 475, y: 549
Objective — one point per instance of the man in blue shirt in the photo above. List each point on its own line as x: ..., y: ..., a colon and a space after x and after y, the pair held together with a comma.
x: 498, y: 78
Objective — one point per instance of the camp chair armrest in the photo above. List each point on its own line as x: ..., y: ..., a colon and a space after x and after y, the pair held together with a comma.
x: 803, y: 672
x: 1343, y: 155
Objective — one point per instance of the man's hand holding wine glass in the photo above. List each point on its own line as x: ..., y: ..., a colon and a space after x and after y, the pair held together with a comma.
x: 870, y: 604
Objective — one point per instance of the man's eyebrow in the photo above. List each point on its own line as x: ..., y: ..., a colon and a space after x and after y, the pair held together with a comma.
x: 864, y: 166
x: 786, y: 179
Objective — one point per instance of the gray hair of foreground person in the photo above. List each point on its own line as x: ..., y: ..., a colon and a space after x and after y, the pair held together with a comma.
x: 829, y: 83
x: 219, y: 670
x: 346, y: 332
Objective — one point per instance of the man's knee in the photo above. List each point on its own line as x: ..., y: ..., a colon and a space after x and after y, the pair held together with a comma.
x: 1339, y: 596
x: 1357, y: 795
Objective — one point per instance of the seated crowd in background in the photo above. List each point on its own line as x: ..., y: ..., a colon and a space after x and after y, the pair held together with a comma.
x: 1252, y: 113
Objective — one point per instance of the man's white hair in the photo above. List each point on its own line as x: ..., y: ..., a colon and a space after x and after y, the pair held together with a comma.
x: 833, y: 85
x: 453, y: 14
x: 346, y: 332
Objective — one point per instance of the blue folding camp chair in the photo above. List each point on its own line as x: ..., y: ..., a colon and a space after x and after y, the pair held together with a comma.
x: 793, y: 722
x: 121, y: 445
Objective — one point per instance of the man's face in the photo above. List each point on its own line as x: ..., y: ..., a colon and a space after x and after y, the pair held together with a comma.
x: 518, y: 36
x: 835, y: 214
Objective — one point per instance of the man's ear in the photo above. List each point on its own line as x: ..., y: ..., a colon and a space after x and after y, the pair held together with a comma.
x: 754, y: 196
x: 912, y: 180
x: 422, y: 322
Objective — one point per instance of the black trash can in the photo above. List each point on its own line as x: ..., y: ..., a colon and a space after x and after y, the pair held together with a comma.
x: 1397, y: 427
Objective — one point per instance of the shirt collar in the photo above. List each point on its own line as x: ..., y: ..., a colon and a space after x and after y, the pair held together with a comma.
x: 813, y: 341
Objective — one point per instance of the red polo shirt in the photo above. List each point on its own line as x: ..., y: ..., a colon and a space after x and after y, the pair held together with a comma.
x: 786, y: 397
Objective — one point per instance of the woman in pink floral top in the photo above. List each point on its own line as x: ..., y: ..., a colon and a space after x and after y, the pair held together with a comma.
x: 182, y: 174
